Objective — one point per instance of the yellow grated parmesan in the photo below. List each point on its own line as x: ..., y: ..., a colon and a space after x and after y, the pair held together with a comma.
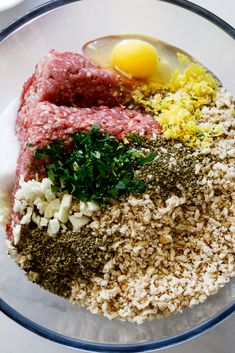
x: 178, y: 107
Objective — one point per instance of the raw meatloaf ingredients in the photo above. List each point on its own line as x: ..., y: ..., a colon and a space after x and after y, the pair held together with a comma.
x: 124, y: 194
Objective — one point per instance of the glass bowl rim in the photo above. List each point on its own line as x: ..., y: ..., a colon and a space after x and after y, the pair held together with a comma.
x: 114, y: 348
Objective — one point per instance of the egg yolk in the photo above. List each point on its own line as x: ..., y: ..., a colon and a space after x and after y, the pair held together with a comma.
x: 135, y: 58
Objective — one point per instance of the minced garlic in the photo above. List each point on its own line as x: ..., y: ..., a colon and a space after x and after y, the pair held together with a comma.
x: 36, y: 202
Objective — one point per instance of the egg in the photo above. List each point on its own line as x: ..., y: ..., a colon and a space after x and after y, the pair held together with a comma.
x: 135, y: 56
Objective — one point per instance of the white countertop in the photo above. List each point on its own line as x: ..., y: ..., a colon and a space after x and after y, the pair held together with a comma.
x: 15, y: 339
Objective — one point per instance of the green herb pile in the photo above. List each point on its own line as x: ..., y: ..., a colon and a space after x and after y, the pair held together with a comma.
x: 98, y: 167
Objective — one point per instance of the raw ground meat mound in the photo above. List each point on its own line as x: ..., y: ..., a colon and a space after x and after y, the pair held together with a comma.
x: 70, y: 79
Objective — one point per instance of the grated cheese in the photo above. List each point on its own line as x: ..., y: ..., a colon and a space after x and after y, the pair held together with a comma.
x: 178, y: 109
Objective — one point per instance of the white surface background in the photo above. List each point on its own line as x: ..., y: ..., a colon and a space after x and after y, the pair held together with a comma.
x: 15, y: 339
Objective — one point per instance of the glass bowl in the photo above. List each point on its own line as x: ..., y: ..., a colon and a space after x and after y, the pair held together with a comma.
x: 66, y: 26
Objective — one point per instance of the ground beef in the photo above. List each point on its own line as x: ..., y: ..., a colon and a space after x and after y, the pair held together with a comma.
x: 70, y: 79
x: 48, y: 121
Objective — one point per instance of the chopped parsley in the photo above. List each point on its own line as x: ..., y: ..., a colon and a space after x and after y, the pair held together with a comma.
x: 98, y: 167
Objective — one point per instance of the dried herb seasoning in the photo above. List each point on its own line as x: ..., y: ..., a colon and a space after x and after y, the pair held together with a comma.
x: 55, y: 262
x: 171, y: 171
